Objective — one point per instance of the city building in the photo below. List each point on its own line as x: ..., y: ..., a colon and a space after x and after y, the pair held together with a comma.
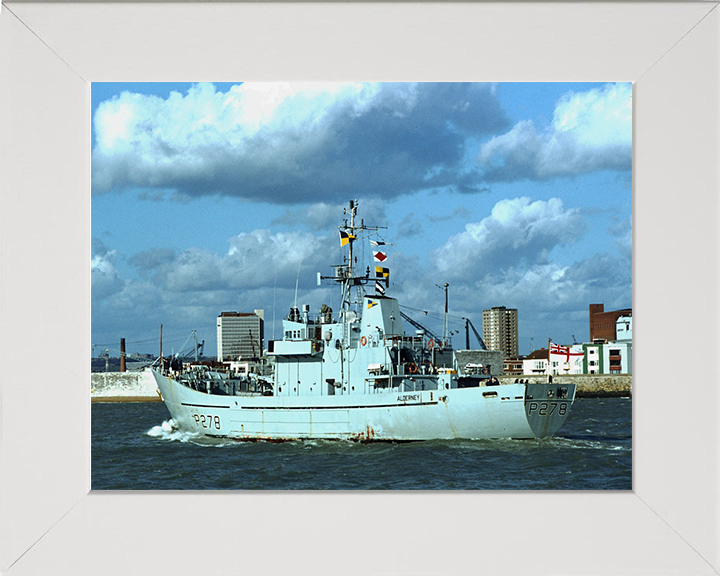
x: 603, y: 325
x: 557, y: 360
x: 623, y: 328
x: 566, y: 359
x: 500, y: 330
x: 536, y: 362
x: 608, y: 358
x: 240, y: 335
x: 513, y: 366
x: 608, y: 352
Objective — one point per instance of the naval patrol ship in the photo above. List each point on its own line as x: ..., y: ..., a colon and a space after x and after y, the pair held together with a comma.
x: 355, y: 374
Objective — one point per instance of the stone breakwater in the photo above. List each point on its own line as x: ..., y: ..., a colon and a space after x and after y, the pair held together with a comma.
x: 123, y: 387
x: 588, y: 385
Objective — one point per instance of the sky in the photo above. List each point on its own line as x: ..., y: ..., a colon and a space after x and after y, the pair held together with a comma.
x: 215, y: 197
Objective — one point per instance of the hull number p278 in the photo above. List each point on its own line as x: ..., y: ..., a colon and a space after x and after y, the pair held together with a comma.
x: 547, y: 408
x: 207, y: 421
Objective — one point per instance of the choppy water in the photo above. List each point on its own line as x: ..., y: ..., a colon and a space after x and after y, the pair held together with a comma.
x: 135, y: 448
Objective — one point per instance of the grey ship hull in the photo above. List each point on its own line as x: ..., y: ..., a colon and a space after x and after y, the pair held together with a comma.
x: 504, y: 411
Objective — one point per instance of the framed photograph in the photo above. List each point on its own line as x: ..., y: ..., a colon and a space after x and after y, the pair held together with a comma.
x: 295, y: 315
x: 50, y: 53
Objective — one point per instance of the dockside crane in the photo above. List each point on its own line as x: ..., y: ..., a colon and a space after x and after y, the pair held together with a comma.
x: 469, y: 326
x: 420, y: 327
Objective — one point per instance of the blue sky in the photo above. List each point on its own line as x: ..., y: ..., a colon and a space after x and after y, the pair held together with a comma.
x: 217, y: 197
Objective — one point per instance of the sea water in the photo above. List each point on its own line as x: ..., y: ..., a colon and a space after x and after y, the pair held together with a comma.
x: 136, y: 447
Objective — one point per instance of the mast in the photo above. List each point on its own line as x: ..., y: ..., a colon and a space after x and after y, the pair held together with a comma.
x: 345, y: 273
x: 445, y: 319
x: 353, y: 211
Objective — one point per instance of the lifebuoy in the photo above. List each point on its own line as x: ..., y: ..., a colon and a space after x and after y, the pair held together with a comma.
x: 412, y: 368
x: 431, y: 343
x: 363, y: 341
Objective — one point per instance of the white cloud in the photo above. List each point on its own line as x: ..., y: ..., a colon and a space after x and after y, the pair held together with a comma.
x: 260, y: 258
x: 104, y: 276
x: 504, y: 259
x: 552, y: 298
x: 518, y: 233
x: 254, y: 259
x: 590, y: 131
x: 187, y: 290
x: 621, y: 230
x: 291, y: 143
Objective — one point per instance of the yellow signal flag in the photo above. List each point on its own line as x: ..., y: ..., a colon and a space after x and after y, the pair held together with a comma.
x: 381, y: 272
x: 345, y: 238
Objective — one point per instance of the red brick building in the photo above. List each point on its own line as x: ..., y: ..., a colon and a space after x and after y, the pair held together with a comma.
x: 513, y: 366
x: 602, y: 324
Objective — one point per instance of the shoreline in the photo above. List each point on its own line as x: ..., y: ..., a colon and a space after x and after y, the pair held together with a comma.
x: 127, y: 399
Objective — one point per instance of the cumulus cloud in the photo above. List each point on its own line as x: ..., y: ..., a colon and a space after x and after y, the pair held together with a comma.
x: 150, y: 260
x: 621, y: 230
x: 104, y: 275
x: 551, y: 298
x: 590, y: 131
x: 292, y: 143
x: 254, y: 259
x: 518, y: 233
x: 187, y: 289
x: 260, y: 258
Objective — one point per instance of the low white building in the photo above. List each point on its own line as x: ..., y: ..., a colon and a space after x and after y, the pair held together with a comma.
x: 536, y: 362
x: 608, y: 358
x: 557, y: 360
x: 597, y: 358
x: 566, y: 359
x: 623, y: 328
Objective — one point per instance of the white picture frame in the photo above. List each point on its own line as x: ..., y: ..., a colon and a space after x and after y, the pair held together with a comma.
x: 49, y: 520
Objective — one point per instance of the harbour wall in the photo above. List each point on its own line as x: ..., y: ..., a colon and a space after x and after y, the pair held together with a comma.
x: 588, y: 385
x: 123, y: 387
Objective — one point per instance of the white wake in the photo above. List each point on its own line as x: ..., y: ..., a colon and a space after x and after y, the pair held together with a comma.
x: 168, y: 430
